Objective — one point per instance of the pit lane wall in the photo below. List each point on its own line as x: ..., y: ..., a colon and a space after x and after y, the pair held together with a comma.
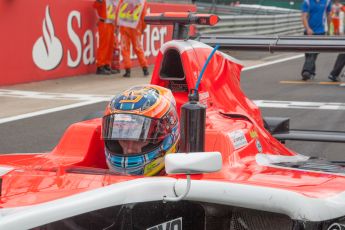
x: 49, y: 39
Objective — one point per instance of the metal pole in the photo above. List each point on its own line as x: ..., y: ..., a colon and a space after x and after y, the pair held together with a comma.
x: 277, y: 43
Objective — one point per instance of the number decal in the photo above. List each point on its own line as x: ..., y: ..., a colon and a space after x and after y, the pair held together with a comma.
x: 132, y: 97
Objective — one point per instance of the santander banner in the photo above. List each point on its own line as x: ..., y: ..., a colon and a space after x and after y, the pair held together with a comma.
x: 49, y: 39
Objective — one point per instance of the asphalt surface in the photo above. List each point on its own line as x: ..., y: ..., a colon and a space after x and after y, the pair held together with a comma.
x: 34, y: 116
x: 265, y: 83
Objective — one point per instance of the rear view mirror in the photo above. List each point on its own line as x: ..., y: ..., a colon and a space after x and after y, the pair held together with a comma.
x: 193, y: 163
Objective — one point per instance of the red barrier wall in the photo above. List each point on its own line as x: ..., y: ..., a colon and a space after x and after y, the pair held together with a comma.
x: 49, y: 39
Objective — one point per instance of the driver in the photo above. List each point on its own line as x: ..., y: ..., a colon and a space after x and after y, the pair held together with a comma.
x: 140, y: 126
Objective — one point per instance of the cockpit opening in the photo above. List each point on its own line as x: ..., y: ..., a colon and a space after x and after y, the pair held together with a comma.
x: 172, y: 71
x: 172, y: 68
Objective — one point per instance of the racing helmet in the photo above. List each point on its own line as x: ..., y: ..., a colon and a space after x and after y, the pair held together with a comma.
x: 144, y: 120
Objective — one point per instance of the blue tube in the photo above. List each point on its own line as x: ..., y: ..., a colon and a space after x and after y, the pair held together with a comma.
x: 204, y: 67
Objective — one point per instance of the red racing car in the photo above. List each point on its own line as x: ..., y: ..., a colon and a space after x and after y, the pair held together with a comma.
x: 244, y: 177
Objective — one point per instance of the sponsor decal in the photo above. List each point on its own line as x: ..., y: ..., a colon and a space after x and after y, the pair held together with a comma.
x: 203, y: 98
x: 155, y: 36
x: 238, y: 139
x: 258, y: 145
x: 336, y: 226
x: 253, y: 134
x: 122, y: 117
x: 47, y: 50
x: 175, y: 224
x: 62, y: 39
x: 150, y: 166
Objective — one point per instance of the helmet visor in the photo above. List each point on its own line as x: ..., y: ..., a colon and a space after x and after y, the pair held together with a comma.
x: 132, y: 127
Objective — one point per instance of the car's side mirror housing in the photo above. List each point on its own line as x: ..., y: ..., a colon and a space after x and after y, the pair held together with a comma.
x: 193, y: 163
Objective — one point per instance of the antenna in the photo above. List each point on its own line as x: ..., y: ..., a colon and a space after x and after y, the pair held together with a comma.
x: 204, y: 67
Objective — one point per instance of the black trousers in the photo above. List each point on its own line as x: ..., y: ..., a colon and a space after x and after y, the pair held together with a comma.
x: 309, y: 61
x: 338, y: 65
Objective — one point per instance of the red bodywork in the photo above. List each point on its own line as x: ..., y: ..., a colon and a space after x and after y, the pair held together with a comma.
x: 44, y: 177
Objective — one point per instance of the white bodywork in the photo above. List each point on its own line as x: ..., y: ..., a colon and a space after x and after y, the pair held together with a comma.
x: 292, y: 204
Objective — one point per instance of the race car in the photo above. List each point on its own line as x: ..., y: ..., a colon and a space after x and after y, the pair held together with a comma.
x: 232, y: 174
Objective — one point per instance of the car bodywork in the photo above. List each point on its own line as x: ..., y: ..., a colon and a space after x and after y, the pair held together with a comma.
x: 261, y: 185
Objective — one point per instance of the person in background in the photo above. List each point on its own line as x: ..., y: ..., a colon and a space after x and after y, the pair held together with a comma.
x: 140, y: 127
x: 337, y: 68
x: 336, y: 8
x: 314, y: 13
x: 106, y: 11
x: 132, y: 25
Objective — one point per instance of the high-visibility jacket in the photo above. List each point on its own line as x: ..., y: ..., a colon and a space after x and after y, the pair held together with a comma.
x: 336, y: 8
x: 133, y: 36
x: 106, y: 11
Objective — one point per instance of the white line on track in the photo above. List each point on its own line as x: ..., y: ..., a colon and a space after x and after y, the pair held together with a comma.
x: 46, y: 111
x: 300, y: 105
x: 54, y: 96
x: 273, y: 62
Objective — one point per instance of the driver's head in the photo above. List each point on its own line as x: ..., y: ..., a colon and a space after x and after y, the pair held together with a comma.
x: 140, y: 126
